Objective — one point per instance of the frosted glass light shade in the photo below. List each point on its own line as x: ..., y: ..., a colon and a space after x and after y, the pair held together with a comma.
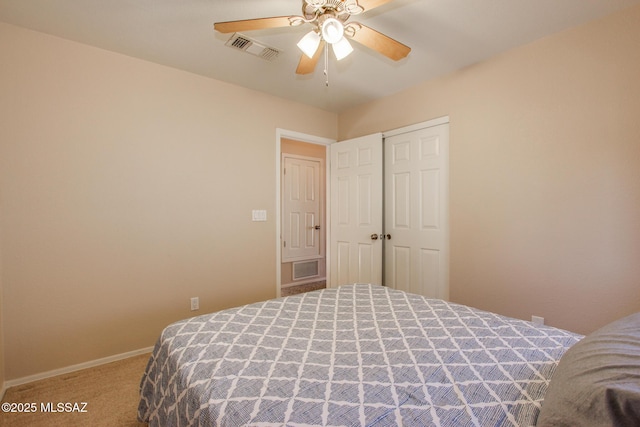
x: 342, y: 48
x: 332, y: 30
x: 309, y: 43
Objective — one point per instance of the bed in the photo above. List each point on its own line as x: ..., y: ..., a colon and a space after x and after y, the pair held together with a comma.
x: 358, y: 355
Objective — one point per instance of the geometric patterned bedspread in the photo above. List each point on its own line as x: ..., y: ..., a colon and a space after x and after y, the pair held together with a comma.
x: 358, y: 355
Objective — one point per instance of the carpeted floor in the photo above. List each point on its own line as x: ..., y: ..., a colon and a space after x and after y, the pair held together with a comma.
x: 110, y: 391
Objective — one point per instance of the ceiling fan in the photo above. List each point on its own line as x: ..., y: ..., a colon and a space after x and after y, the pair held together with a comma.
x: 329, y: 20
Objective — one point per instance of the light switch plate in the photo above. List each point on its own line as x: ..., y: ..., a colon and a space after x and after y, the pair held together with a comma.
x: 258, y: 215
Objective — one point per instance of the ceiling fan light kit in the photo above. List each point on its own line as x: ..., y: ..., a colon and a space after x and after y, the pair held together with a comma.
x: 329, y: 20
x: 342, y: 48
x: 332, y: 30
x: 309, y: 43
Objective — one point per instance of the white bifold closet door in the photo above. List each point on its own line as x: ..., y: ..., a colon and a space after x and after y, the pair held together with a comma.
x: 414, y: 235
x: 416, y: 211
x: 356, y: 211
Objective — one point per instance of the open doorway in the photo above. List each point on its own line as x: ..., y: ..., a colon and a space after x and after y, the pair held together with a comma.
x: 303, y: 219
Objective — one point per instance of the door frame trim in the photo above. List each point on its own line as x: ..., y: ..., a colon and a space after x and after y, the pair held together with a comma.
x: 311, y: 139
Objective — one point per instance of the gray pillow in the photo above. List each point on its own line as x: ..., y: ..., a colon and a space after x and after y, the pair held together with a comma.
x: 597, y: 382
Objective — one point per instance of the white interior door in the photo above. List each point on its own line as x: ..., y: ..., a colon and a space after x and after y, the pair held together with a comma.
x: 356, y: 211
x: 302, y: 208
x: 416, y: 211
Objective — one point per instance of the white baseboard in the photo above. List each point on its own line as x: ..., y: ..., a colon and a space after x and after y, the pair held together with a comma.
x: 92, y: 363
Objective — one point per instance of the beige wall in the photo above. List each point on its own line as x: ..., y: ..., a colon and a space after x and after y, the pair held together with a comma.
x: 545, y: 173
x: 127, y: 188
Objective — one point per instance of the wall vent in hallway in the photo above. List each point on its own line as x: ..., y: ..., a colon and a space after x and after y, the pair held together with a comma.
x: 304, y: 269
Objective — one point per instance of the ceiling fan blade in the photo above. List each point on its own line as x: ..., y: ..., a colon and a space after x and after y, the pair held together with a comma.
x: 252, y: 24
x: 306, y: 64
x: 379, y: 42
x: 371, y: 4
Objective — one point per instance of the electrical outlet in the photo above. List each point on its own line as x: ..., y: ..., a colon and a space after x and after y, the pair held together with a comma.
x: 537, y: 320
x: 195, y: 303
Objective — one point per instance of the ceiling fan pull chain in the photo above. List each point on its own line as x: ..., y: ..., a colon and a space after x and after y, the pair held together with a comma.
x: 326, y: 66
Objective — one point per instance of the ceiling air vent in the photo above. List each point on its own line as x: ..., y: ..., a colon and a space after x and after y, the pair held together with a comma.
x: 249, y: 45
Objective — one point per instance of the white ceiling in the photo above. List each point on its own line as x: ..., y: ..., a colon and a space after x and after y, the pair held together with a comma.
x: 445, y: 35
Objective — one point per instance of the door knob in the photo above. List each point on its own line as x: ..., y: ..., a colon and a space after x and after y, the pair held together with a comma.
x: 317, y: 227
x: 385, y: 236
x: 374, y: 236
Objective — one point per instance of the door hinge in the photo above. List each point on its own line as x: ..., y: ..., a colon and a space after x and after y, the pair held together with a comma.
x: 285, y: 243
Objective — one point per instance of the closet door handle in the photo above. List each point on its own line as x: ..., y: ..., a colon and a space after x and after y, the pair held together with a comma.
x: 374, y: 236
